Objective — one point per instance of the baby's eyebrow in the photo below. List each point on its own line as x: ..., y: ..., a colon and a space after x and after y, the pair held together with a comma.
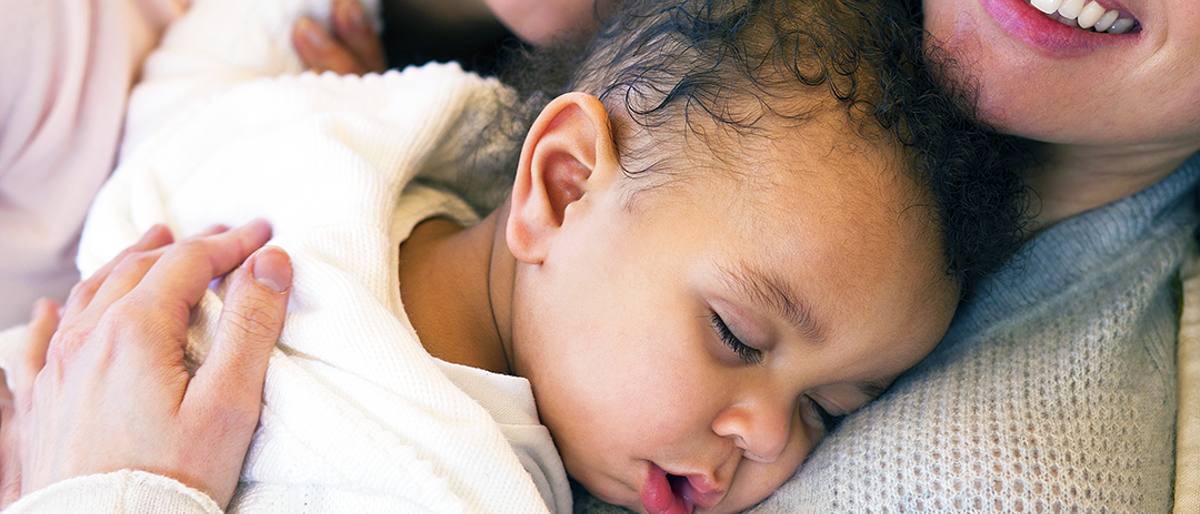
x: 768, y: 290
x: 775, y: 294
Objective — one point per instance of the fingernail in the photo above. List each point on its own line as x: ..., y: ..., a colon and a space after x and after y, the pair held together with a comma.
x: 260, y: 225
x: 354, y: 14
x: 152, y: 232
x: 214, y: 229
x: 273, y: 268
x: 46, y: 307
x: 39, y: 308
x: 312, y: 33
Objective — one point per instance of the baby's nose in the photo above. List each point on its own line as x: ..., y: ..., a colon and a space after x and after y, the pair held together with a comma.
x: 761, y: 431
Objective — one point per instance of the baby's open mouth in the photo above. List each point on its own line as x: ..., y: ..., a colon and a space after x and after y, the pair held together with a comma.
x: 1087, y: 15
x: 664, y: 493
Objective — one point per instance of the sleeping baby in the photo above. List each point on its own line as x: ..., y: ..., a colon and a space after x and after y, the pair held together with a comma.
x: 730, y: 224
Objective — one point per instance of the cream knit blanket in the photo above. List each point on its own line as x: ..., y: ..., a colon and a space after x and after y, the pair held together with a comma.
x: 1187, y: 438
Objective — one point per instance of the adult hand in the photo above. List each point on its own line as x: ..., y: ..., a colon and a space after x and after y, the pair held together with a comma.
x: 110, y: 390
x: 353, y: 48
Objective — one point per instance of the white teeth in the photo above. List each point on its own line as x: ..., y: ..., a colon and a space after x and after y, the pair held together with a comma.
x: 1121, y: 26
x: 1106, y: 21
x: 1086, y: 14
x: 1090, y: 15
x: 1071, y: 8
x: 1046, y: 6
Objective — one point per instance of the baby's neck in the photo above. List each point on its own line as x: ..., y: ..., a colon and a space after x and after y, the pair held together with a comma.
x: 444, y: 285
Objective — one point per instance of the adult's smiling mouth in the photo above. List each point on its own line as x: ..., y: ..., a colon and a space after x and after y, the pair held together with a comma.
x: 1087, y: 15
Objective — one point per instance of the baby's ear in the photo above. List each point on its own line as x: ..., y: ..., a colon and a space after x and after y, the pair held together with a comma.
x: 568, y: 153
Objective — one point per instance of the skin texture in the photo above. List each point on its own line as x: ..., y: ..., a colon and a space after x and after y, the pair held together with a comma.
x: 539, y: 21
x: 103, y: 386
x: 1118, y: 112
x: 352, y: 48
x: 604, y: 295
x: 216, y: 411
x: 1091, y: 89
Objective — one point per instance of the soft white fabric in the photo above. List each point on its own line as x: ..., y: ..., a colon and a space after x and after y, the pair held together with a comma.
x: 509, y: 400
x: 67, y: 67
x: 120, y: 492
x: 356, y: 417
x: 1187, y: 439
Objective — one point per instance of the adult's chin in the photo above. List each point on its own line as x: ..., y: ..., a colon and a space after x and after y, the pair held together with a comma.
x: 1025, y: 69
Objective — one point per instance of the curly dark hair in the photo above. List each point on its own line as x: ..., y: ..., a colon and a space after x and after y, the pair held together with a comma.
x: 672, y: 65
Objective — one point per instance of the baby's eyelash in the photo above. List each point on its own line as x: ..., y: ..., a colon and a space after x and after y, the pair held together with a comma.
x: 829, y: 421
x: 747, y: 354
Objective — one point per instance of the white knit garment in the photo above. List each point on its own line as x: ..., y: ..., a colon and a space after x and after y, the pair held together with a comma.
x: 1187, y: 439
x: 356, y: 416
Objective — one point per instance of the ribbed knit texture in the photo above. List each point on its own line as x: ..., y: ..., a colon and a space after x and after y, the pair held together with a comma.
x: 1054, y: 391
x: 1187, y: 441
x: 356, y: 416
x: 120, y: 492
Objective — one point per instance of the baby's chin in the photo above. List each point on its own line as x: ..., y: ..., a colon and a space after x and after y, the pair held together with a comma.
x: 659, y: 493
x: 635, y: 504
x: 607, y: 490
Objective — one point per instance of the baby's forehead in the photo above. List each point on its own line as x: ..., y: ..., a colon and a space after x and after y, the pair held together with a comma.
x: 818, y: 176
x: 824, y: 150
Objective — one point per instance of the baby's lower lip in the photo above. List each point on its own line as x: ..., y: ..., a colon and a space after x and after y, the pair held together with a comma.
x: 659, y: 498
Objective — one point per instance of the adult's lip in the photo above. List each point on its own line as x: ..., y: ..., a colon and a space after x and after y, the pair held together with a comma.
x: 1095, y: 15
x: 1033, y: 27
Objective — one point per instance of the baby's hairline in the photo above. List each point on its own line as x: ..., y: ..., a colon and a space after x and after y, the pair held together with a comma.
x: 866, y: 55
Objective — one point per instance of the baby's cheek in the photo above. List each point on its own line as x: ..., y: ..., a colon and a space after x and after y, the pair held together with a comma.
x: 755, y: 481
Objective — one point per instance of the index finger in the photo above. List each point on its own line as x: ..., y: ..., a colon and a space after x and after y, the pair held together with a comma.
x: 180, y: 276
x: 83, y: 292
x: 353, y: 28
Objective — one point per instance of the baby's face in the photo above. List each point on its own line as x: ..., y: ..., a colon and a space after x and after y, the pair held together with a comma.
x: 682, y: 351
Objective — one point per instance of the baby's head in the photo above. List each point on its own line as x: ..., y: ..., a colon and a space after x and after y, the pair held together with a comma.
x: 746, y: 220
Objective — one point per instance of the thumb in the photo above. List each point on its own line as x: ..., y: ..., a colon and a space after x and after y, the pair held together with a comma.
x: 17, y: 429
x: 33, y: 353
x: 251, y: 321
x: 224, y: 398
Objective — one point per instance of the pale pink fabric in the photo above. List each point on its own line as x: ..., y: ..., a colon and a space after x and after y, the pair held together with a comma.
x: 66, y: 68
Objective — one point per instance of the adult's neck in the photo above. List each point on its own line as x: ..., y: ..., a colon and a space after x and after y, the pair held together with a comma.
x: 1072, y: 179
